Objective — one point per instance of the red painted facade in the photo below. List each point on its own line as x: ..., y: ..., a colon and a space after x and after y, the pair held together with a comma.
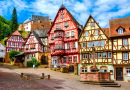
x: 63, y: 36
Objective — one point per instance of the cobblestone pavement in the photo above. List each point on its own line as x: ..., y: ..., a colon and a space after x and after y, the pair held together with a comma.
x: 65, y: 81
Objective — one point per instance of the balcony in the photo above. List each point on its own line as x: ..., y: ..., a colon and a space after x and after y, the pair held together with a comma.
x: 59, y: 51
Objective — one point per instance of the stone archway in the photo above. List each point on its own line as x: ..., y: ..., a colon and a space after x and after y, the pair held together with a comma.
x: 43, y: 59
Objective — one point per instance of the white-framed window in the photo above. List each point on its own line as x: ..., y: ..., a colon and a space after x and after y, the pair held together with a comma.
x: 57, y: 26
x: 84, y: 56
x: 124, y: 42
x: 52, y: 36
x: 59, y: 33
x: 56, y: 46
x: 86, y: 34
x: 91, y: 55
x: 53, y: 47
x: 19, y: 44
x: 128, y: 71
x: 70, y: 59
x: 60, y: 46
x: 56, y: 33
x: 64, y: 59
x: 94, y: 44
x: 12, y: 37
x: 95, y: 55
x: 66, y: 24
x: 20, y: 38
x: 13, y: 44
x: 74, y: 45
x: 104, y: 55
x: 120, y: 30
x: 109, y: 54
x: 84, y: 45
x: 125, y: 56
x: 43, y: 40
x: 103, y: 69
x: 75, y: 58
x: 67, y: 34
x: 99, y: 55
x: 72, y: 33
x: 83, y: 69
x: 16, y: 37
x: 59, y: 60
x: 96, y: 32
x: 98, y: 43
x: 102, y: 43
x: 92, y: 24
x: 9, y: 43
x: 89, y: 44
x: 68, y: 46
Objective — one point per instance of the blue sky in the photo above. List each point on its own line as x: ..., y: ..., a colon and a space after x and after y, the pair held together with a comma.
x: 101, y: 10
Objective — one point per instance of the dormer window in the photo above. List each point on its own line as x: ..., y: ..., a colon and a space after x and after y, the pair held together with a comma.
x: 120, y: 30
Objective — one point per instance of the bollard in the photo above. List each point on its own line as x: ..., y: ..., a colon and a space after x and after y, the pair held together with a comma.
x: 21, y: 75
x: 48, y: 77
x: 28, y: 77
x: 43, y: 75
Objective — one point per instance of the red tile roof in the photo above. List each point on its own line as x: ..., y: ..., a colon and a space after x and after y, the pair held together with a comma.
x: 106, y: 31
x: 120, y: 22
x: 16, y: 33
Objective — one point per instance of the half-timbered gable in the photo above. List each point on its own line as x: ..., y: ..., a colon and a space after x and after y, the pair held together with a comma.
x: 63, y: 36
x: 91, y: 36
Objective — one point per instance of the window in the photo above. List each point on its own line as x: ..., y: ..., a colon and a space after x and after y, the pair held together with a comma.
x: 59, y: 60
x: 70, y: 59
x: 84, y: 69
x: 66, y: 24
x: 102, y: 43
x: 57, y: 26
x: 128, y: 71
x: 86, y: 34
x: 19, y: 44
x: 64, y: 59
x: 12, y: 37
x: 104, y: 55
x: 125, y: 56
x: 84, y: 45
x: 60, y: 46
x: 22, y: 44
x: 72, y: 33
x: 56, y: 34
x: 68, y: 46
x: 67, y: 34
x: 84, y: 56
x: 13, y: 44
x: 13, y: 48
x: 91, y: 55
x: 99, y: 55
x: 95, y: 55
x: 103, y: 69
x: 16, y: 37
x: 34, y: 55
x: 20, y: 38
x: 59, y: 33
x: 61, y: 16
x: 97, y: 43
x: 75, y: 59
x: 120, y: 30
x: 56, y: 46
x: 43, y: 40
x: 9, y: 43
x: 89, y: 44
x: 27, y: 56
x: 124, y: 42
x: 74, y: 45
x: 109, y: 54
x: 92, y: 24
x: 53, y: 48
x: 52, y: 36
x: 96, y: 32
x: 94, y: 44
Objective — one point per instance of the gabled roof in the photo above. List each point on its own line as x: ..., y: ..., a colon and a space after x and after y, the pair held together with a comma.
x: 26, y: 21
x: 36, y: 36
x: 90, y: 16
x: 74, y: 20
x: 16, y: 33
x: 42, y: 18
x: 106, y: 31
x: 120, y: 22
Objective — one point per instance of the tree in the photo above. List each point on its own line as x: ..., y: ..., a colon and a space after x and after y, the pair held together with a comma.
x: 33, y: 61
x: 4, y: 40
x: 12, y: 53
x: 14, y: 22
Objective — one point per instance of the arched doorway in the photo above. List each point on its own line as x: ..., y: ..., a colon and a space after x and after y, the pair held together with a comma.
x: 71, y: 69
x: 44, y: 60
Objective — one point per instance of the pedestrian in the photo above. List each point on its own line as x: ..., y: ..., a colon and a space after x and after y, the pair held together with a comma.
x: 34, y: 65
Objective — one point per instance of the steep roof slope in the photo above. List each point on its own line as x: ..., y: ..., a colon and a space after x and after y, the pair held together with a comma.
x: 42, y: 18
x: 16, y: 33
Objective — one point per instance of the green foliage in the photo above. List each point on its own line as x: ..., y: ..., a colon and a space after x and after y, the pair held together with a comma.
x: 12, y: 53
x: 33, y: 61
x: 4, y: 40
x: 14, y: 22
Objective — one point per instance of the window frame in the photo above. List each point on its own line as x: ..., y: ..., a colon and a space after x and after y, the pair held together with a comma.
x: 70, y: 58
x: 127, y: 72
x: 103, y: 43
x: 60, y: 46
x: 85, y: 56
x: 64, y: 60
x: 74, y: 58
x: 86, y: 34
x: 84, y: 69
x: 108, y: 54
x: 89, y: 43
x: 124, y: 55
x: 84, y: 46
x: 74, y: 45
x: 92, y: 24
x: 96, y: 32
x: 125, y: 42
x: 67, y: 34
x: 91, y: 54
x: 68, y: 46
x: 98, y: 55
x: 103, y: 56
x: 72, y: 34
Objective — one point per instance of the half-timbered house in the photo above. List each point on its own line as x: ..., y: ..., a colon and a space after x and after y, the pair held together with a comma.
x: 93, y: 36
x: 63, y: 36
x: 120, y: 36
x: 14, y: 42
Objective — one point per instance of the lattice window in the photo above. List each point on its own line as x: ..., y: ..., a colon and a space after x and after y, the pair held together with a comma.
x: 128, y: 71
x: 104, y: 55
x: 99, y: 55
x: 124, y: 42
x: 84, y: 69
x: 96, y: 32
x: 84, y: 45
x: 125, y: 56
x: 89, y: 44
x: 109, y: 54
x: 84, y: 56
x: 102, y: 43
x: 70, y: 59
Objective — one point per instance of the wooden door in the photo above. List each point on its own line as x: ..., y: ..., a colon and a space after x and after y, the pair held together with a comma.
x: 119, y: 74
x: 71, y: 68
